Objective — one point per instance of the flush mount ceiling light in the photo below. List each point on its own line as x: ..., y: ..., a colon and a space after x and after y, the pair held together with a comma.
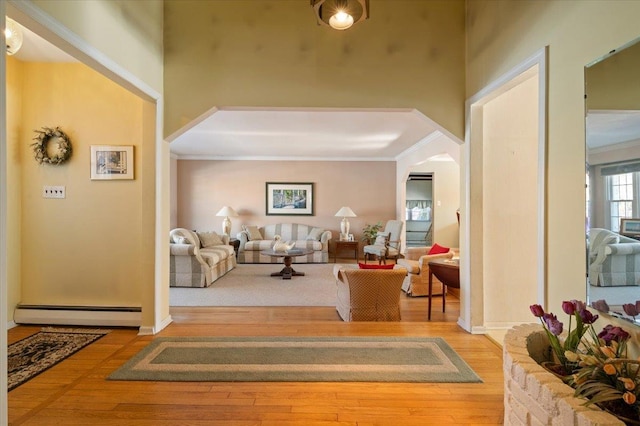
x: 340, y: 14
x: 12, y: 36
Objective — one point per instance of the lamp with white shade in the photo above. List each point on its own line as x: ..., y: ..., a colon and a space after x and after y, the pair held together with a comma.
x: 345, y: 212
x: 227, y: 211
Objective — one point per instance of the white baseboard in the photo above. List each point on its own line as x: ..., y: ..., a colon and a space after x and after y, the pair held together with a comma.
x: 149, y: 331
x: 11, y: 324
x: 89, y: 316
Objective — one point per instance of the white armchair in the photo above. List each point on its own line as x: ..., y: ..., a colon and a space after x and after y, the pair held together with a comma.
x: 387, y: 244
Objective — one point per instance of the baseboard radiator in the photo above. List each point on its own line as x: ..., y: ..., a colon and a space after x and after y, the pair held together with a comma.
x: 107, y: 316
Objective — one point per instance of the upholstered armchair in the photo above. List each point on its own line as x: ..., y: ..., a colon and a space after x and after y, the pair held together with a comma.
x: 368, y: 294
x: 416, y: 262
x: 387, y: 243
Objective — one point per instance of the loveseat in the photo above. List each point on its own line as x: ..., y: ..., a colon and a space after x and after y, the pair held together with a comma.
x: 416, y: 262
x: 255, y: 239
x: 197, y: 259
x: 614, y: 260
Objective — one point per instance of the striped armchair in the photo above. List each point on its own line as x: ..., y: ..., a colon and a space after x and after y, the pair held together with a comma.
x: 368, y: 294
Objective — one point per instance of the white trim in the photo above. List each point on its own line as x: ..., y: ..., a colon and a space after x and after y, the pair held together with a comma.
x: 422, y: 143
x: 53, y: 31
x: 473, y: 118
x: 78, y: 317
x: 11, y: 324
x: 4, y: 417
x: 249, y: 158
x: 149, y: 331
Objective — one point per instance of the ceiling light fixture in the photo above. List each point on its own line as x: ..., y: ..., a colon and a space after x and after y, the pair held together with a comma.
x: 340, y: 14
x: 12, y: 36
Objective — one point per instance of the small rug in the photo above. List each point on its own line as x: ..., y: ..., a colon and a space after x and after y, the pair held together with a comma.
x: 297, y: 359
x: 34, y: 354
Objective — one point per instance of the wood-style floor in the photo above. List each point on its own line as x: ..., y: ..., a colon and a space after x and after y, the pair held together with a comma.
x: 76, y: 392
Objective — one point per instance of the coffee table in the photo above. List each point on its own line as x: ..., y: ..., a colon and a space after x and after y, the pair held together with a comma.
x: 287, y: 272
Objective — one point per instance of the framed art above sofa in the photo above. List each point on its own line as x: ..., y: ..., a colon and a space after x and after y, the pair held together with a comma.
x: 289, y: 199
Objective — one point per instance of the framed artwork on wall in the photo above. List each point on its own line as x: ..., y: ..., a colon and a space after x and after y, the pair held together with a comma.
x: 110, y: 162
x: 289, y: 199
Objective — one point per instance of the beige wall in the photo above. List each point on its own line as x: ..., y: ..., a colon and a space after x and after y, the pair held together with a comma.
x: 205, y: 186
x: 502, y: 34
x: 271, y: 53
x: 510, y: 204
x: 90, y: 248
x: 128, y: 32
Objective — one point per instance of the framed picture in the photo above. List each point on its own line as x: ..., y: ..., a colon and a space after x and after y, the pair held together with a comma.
x: 289, y: 199
x: 110, y: 162
x: 630, y: 227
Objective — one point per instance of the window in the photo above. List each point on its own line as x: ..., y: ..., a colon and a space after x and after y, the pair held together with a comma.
x: 622, y: 197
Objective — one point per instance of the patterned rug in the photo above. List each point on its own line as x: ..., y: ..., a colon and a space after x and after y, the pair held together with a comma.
x: 34, y: 354
x: 298, y: 359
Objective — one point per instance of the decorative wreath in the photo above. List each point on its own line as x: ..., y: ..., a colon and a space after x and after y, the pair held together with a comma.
x: 46, y: 135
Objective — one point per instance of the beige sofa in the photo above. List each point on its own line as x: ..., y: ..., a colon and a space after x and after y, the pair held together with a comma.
x: 197, y: 259
x: 253, y: 240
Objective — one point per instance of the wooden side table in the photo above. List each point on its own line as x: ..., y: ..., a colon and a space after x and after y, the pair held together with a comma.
x: 236, y: 245
x: 346, y: 245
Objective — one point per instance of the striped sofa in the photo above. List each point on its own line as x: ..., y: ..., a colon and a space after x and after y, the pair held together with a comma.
x: 304, y: 236
x: 192, y: 265
x: 614, y: 260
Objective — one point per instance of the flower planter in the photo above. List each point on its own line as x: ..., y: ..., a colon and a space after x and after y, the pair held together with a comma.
x: 533, y: 395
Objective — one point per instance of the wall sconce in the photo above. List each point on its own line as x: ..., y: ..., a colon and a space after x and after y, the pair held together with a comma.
x: 227, y: 211
x: 12, y: 36
x: 340, y: 14
x: 345, y: 212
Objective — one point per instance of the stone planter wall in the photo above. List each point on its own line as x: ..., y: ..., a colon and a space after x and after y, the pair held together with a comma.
x: 533, y: 396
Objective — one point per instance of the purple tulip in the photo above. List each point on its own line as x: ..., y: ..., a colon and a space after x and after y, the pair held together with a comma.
x: 579, y: 305
x: 630, y: 309
x: 600, y: 305
x: 588, y: 317
x: 554, y: 326
x: 611, y: 333
x: 536, y: 310
x: 569, y: 308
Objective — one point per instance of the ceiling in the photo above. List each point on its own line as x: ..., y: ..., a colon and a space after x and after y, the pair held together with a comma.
x: 605, y: 128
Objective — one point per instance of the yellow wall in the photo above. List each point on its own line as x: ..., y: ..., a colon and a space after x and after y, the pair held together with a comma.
x: 90, y: 248
x: 272, y: 53
x: 205, y: 186
x: 502, y: 34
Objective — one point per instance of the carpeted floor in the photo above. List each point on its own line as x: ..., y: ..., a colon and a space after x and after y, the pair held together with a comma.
x: 298, y: 359
x: 252, y: 285
x: 34, y: 354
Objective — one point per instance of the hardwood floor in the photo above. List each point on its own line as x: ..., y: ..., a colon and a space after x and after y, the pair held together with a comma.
x: 76, y: 392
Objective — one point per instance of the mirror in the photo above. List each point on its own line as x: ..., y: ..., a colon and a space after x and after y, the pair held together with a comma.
x: 612, y: 129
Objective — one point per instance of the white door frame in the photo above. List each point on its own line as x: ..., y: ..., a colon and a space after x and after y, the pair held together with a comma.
x: 472, y: 315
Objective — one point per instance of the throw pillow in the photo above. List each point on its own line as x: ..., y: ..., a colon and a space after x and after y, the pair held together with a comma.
x: 381, y: 239
x: 437, y: 249
x: 181, y: 240
x: 209, y: 239
x: 374, y: 266
x: 254, y: 233
x: 315, y: 234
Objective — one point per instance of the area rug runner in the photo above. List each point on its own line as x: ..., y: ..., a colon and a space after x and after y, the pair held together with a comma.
x: 34, y: 354
x: 297, y: 359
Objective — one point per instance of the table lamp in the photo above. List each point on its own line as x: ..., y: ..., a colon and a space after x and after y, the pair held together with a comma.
x: 227, y: 211
x: 345, y: 212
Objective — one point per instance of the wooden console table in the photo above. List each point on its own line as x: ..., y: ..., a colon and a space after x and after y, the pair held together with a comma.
x: 448, y: 272
x: 346, y: 245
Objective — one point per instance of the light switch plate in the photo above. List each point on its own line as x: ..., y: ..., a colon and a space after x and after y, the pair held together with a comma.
x: 54, y: 192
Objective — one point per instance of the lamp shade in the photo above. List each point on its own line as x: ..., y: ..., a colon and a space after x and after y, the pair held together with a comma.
x: 345, y: 212
x: 227, y: 211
